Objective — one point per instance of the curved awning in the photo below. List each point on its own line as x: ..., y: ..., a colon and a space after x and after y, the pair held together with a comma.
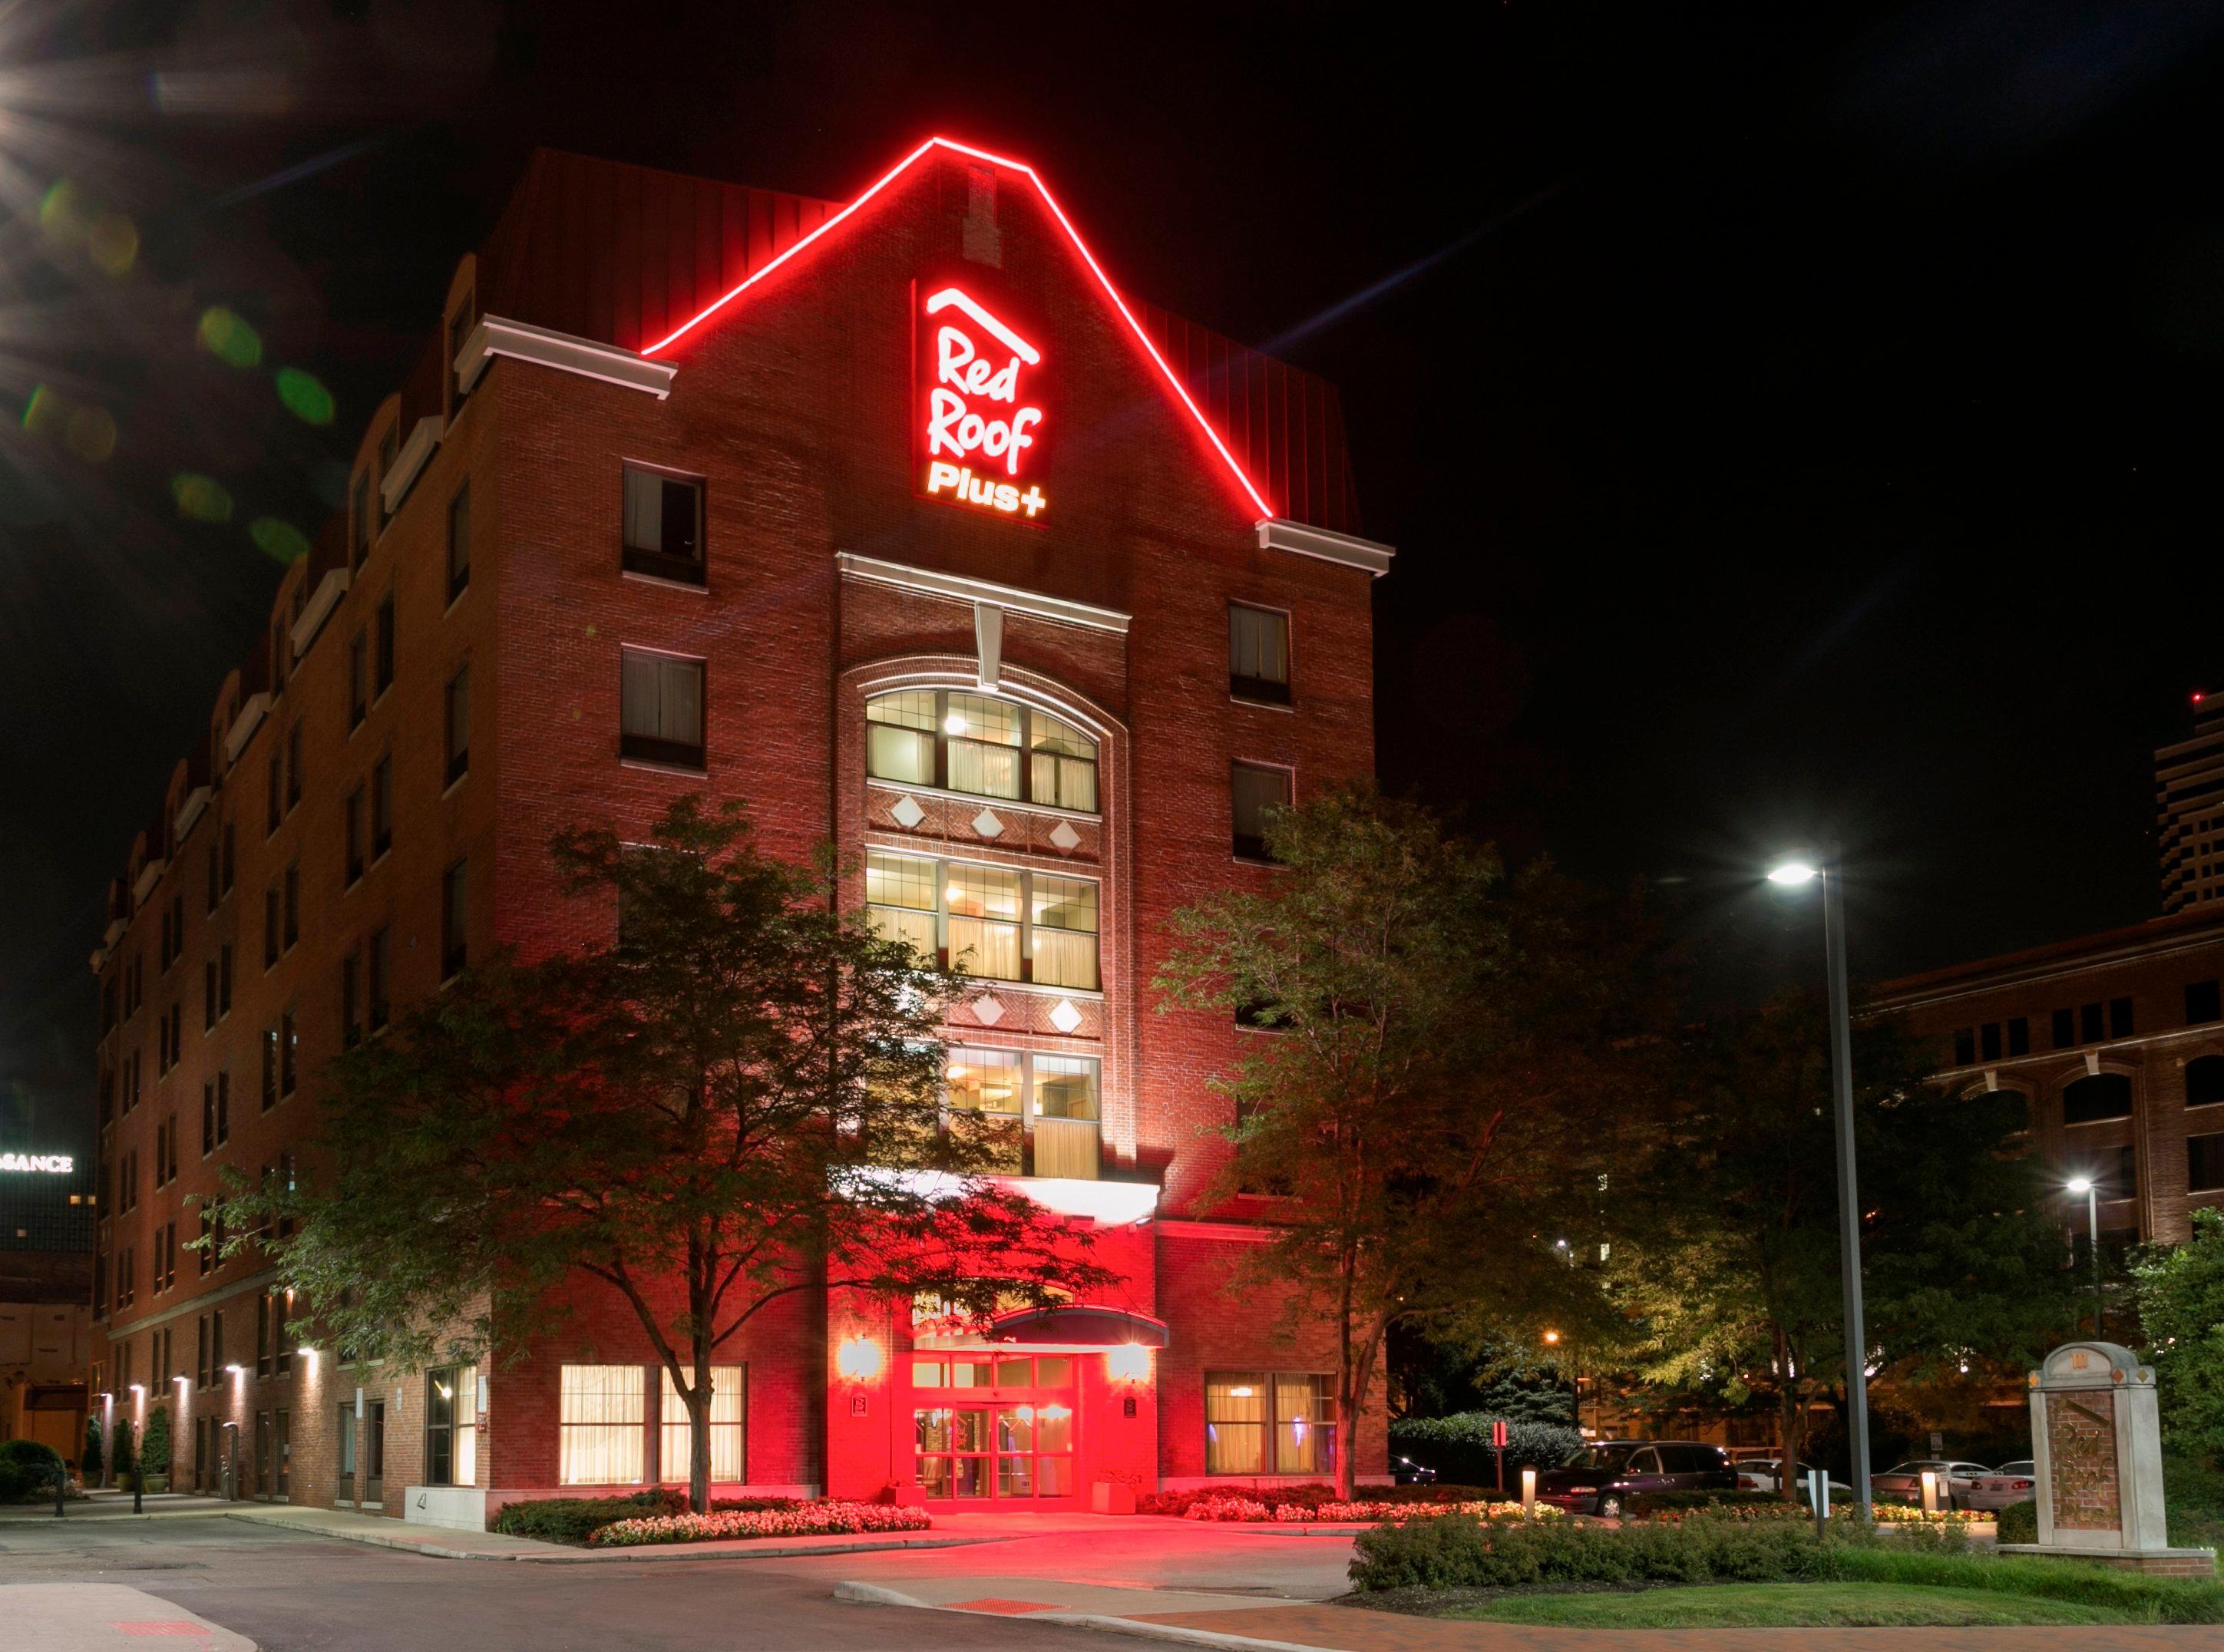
x: 1078, y: 1325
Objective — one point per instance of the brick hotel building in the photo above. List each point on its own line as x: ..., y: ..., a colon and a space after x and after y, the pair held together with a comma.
x: 897, y: 521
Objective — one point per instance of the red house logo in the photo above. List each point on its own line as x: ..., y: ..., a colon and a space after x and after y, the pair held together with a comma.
x: 982, y: 422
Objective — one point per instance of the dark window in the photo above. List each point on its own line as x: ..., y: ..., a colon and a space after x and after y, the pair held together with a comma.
x: 663, y: 527
x: 208, y: 996
x: 292, y: 904
x: 2089, y: 1027
x: 390, y: 448
x: 223, y: 1105
x: 2204, y: 1081
x: 2120, y: 1017
x: 1258, y: 653
x: 354, y: 823
x: 2204, y: 1163
x: 2122, y: 1180
x: 359, y: 521
x: 230, y: 859
x: 223, y: 980
x: 2020, y: 1036
x: 375, y: 981
x: 289, y: 1052
x: 2201, y: 1003
x: 661, y: 709
x: 358, y: 679
x: 208, y: 1118
x: 459, y: 725
x: 2099, y: 1095
x: 1989, y: 1038
x: 214, y: 870
x: 269, y: 1068
x: 270, y: 926
x: 2065, y: 1030
x: 459, y: 333
x: 381, y: 807
x: 350, y: 1000
x: 453, y: 914
x: 1965, y: 1046
x: 459, y: 541
x: 276, y: 798
x: 1255, y: 794
x: 383, y: 659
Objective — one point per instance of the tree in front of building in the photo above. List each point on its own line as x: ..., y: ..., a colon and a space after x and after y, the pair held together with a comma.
x: 1442, y: 1070
x: 2181, y: 1297
x: 1732, y: 1276
x: 126, y: 1464
x: 154, y: 1448
x: 90, y: 1460
x: 732, y: 1102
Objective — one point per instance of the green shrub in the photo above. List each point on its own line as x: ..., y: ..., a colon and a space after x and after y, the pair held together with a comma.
x: 15, y: 1484
x: 89, y: 1464
x: 2020, y: 1524
x: 1458, y: 1447
x: 1458, y: 1551
x: 573, y: 1520
x: 38, y: 1462
x: 155, y: 1449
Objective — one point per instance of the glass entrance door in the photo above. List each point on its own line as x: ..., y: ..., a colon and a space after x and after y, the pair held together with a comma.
x: 994, y: 1429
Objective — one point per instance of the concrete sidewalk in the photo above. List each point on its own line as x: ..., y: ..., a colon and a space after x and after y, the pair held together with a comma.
x: 116, y: 1505
x: 104, y: 1617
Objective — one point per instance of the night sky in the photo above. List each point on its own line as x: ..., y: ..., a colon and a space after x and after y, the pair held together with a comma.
x: 1788, y: 426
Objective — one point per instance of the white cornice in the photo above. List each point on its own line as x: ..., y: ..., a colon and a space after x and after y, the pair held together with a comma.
x: 495, y: 337
x: 114, y: 932
x: 424, y: 437
x: 960, y: 589
x: 149, y: 875
x: 189, y: 811
x: 252, y: 710
x: 318, y: 610
x: 1280, y: 533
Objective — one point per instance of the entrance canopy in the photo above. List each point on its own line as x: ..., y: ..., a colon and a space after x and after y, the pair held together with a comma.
x: 1077, y: 1325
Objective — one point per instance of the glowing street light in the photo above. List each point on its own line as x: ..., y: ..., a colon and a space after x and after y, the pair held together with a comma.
x: 1791, y: 874
x: 2091, y: 1189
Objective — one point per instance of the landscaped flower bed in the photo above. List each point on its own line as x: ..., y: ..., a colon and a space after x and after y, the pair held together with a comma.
x: 1242, y: 1509
x: 826, y: 1519
x: 1906, y: 1514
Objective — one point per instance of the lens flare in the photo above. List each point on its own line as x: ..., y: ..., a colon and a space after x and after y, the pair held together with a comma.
x: 113, y: 244
x: 229, y: 339
x: 90, y: 434
x: 46, y: 412
x: 279, y: 540
x: 304, y: 397
x: 200, y: 498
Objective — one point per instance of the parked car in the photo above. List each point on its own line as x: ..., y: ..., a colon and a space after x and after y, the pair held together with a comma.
x: 1599, y: 1479
x: 1903, y: 1483
x: 2016, y: 1482
x: 1759, y: 1475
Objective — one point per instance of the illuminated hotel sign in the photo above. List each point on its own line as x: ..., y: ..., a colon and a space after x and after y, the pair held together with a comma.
x: 982, y: 418
x: 52, y: 1164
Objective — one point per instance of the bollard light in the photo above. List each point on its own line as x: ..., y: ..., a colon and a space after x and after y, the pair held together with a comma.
x: 1930, y: 1491
x: 1528, y: 1494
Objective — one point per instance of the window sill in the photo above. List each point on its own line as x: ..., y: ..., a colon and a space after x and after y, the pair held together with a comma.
x: 1239, y: 697
x: 920, y: 790
x: 454, y: 785
x: 668, y: 582
x: 1243, y: 860
x: 456, y: 594
x: 651, y: 766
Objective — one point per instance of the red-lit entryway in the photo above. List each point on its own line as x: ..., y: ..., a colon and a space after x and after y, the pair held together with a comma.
x: 996, y: 1427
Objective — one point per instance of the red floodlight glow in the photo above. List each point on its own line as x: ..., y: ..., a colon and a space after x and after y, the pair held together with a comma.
x: 1174, y: 382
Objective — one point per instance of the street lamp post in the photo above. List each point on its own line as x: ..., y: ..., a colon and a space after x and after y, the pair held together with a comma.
x: 2091, y: 1189
x: 1790, y: 873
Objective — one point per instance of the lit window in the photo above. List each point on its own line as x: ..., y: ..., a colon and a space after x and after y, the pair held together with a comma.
x: 451, y: 1401
x: 678, y: 1430
x: 984, y: 926
x: 1249, y: 1414
x: 603, y: 1419
x: 985, y: 1080
x: 984, y: 745
x: 661, y: 709
x: 899, y: 898
x: 1064, y: 932
x: 1258, y: 653
x: 1062, y: 761
x: 974, y: 743
x: 900, y: 736
x: 1066, y: 1087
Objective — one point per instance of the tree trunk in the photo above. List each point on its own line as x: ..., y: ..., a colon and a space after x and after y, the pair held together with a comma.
x: 699, y: 1445
x: 1791, y: 1421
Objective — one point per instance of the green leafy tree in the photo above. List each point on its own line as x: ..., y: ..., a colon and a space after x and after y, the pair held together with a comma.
x: 89, y: 1462
x: 1734, y: 1282
x: 126, y: 1464
x: 2181, y: 1297
x: 155, y: 1450
x: 1446, y: 1077
x: 736, y: 1100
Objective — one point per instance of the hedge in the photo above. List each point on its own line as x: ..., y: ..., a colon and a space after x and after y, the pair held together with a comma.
x: 2019, y: 1524
x: 1456, y: 1553
x: 1458, y: 1446
x: 27, y: 1470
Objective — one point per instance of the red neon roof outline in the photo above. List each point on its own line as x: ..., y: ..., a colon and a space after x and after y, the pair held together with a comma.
x: 1056, y: 212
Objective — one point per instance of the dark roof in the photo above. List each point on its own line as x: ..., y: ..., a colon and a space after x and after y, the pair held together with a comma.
x: 2136, y: 937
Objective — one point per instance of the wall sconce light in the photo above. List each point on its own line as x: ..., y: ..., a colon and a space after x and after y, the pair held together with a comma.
x: 1130, y: 1362
x: 858, y: 1358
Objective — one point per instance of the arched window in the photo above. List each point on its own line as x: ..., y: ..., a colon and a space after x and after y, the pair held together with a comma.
x: 979, y: 745
x: 2099, y: 1095
x: 2204, y: 1081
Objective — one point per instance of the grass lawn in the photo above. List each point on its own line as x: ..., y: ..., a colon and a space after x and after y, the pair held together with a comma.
x: 1774, y: 1606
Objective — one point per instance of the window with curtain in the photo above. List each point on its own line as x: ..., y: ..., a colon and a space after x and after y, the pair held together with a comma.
x: 1305, y: 1428
x: 1255, y: 792
x: 976, y: 744
x: 661, y: 708
x: 1258, y: 653
x: 985, y: 1080
x: 677, y: 1432
x: 1062, y: 761
x: 452, y: 1434
x: 1236, y: 1423
x: 1268, y: 1423
x: 984, y: 921
x: 984, y: 745
x: 663, y: 526
x: 900, y: 736
x: 1065, y: 914
x: 602, y: 1419
x: 899, y: 898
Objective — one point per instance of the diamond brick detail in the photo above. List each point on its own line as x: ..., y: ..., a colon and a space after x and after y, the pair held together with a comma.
x: 987, y: 824
x: 1064, y: 1015
x: 988, y: 1010
x: 907, y: 812
x: 1065, y: 837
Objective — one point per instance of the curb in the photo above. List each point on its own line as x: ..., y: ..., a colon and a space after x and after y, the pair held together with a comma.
x: 556, y: 1554
x: 876, y: 1595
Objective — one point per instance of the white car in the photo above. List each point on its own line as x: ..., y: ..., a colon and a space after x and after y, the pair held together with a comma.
x: 1903, y: 1483
x: 2016, y: 1482
x: 1760, y: 1474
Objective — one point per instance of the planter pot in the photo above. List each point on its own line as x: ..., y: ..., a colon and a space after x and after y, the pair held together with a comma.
x: 157, y: 1482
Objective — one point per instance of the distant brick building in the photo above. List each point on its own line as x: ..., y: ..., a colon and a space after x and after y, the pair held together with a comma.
x: 2189, y: 810
x: 895, y: 520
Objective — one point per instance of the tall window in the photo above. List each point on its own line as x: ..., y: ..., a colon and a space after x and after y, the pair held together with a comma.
x: 460, y: 334
x: 602, y: 1416
x: 663, y: 526
x: 359, y: 521
x: 352, y: 826
x: 269, y: 1068
x: 293, y: 767
x: 459, y: 724
x: 390, y: 447
x: 990, y: 921
x: 1268, y: 1423
x: 377, y: 1001
x: 2204, y: 1081
x: 460, y: 542
x: 274, y: 796
x: 661, y: 708
x: 677, y: 1431
x: 289, y: 1052
x: 981, y: 746
x: 452, y: 1415
x: 2204, y: 1163
x: 292, y: 904
x: 453, y: 948
x: 358, y: 678
x: 381, y: 807
x: 1052, y: 1101
x: 1255, y: 792
x: 352, y: 1000
x: 382, y: 655
x: 1258, y: 653
x: 272, y: 924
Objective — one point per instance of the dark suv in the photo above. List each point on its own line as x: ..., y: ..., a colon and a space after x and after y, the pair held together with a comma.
x: 1600, y: 1480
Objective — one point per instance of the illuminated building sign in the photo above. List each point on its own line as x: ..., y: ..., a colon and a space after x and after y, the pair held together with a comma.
x: 982, y: 421
x: 51, y: 1163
